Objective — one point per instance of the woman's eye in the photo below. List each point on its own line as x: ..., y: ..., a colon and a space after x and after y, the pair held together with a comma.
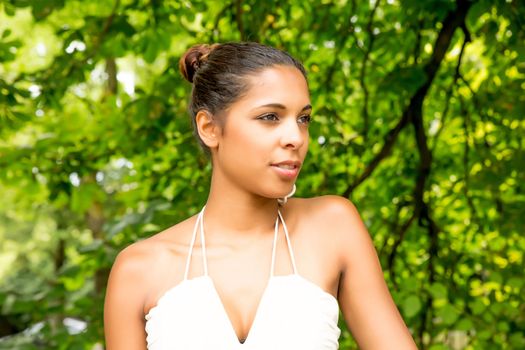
x: 305, y: 119
x: 269, y: 117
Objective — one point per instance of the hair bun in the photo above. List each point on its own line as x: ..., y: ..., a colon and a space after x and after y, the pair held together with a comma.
x: 194, y: 57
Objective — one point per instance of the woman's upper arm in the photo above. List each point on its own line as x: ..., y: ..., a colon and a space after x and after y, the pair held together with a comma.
x: 365, y: 301
x: 124, y: 303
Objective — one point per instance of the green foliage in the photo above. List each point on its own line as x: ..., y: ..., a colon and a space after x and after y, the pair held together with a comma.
x: 418, y: 119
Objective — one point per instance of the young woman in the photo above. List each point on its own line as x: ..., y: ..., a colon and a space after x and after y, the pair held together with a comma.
x: 253, y: 269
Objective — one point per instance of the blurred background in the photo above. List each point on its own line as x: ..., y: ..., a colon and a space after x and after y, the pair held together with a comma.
x: 418, y: 119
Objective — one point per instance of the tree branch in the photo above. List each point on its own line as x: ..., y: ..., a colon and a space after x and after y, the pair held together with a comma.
x: 345, y: 30
x: 97, y: 42
x: 391, y: 257
x: 453, y: 20
x: 466, y: 163
x: 364, y: 87
x: 238, y: 18
x: 422, y: 208
x: 417, y: 46
x: 385, y: 151
x: 450, y: 90
x: 478, y: 108
x: 215, y: 31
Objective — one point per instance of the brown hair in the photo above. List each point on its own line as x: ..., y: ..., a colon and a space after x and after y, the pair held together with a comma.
x: 218, y: 73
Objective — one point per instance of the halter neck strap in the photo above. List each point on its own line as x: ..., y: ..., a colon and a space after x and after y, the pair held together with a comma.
x: 199, y: 225
x: 290, y: 250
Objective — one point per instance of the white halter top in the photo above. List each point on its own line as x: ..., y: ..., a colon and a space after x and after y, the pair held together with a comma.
x: 293, y: 313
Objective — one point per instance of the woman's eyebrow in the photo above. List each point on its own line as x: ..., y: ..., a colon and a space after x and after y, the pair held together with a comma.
x: 280, y: 106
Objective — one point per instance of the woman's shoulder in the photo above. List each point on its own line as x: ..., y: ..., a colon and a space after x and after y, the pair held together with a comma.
x: 333, y: 218
x: 134, y: 261
x: 145, y: 255
x: 327, y: 206
x: 330, y: 227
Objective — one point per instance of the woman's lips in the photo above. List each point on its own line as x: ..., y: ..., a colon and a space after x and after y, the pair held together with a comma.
x: 288, y: 170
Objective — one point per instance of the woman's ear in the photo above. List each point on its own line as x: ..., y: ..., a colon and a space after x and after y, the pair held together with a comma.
x: 208, y: 128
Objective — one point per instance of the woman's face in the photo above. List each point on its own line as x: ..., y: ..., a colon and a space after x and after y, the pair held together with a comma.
x: 264, y: 138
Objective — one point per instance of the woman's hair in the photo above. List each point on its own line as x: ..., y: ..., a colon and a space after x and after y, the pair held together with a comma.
x: 219, y: 74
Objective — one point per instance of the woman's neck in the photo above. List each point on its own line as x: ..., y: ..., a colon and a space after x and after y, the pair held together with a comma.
x: 231, y: 209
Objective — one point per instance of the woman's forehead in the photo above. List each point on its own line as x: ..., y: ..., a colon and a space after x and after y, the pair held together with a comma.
x: 284, y: 85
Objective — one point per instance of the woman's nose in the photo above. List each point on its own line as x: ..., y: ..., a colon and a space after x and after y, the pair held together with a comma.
x: 292, y: 135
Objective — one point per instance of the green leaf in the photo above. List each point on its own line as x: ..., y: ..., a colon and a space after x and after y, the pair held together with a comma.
x: 6, y: 33
x: 84, y: 195
x: 448, y: 314
x: 9, y: 9
x: 94, y: 246
x: 438, y: 290
x: 464, y: 324
x: 477, y: 306
x: 411, y: 306
x: 516, y: 282
x: 517, y: 340
x: 439, y: 347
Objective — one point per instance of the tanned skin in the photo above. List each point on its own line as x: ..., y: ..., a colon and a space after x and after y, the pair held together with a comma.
x: 332, y: 247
